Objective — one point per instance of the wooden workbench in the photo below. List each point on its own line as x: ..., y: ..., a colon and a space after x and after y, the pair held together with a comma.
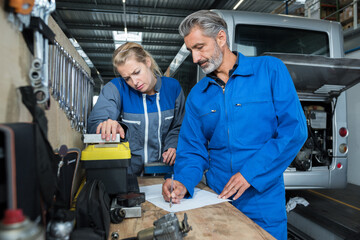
x: 220, y: 221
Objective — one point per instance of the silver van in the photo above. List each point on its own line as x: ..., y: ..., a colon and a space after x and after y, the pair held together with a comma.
x: 312, y: 50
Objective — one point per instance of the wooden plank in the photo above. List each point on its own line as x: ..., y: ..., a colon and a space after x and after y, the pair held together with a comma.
x: 220, y: 221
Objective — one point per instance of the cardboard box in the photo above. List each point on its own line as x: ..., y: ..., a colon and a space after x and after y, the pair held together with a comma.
x: 342, y: 17
x: 347, y: 26
x: 344, y: 3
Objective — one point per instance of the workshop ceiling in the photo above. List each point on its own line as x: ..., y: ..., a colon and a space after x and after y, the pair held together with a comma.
x: 92, y: 23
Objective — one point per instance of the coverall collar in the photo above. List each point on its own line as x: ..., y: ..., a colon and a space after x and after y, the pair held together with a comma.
x: 243, y: 68
x: 158, y: 84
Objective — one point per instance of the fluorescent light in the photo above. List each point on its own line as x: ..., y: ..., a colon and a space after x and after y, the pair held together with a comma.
x: 178, y: 60
x: 74, y: 42
x: 124, y: 1
x: 81, y: 52
x: 120, y: 37
x: 238, y: 4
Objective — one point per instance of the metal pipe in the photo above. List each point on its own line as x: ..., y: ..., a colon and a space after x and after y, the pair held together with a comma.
x: 125, y: 28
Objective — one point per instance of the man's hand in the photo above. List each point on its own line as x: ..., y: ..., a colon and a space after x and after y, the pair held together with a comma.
x: 178, y: 193
x: 169, y: 156
x: 237, y: 184
x: 110, y: 127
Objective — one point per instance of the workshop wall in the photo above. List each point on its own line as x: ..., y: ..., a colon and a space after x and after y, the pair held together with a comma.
x: 15, y: 62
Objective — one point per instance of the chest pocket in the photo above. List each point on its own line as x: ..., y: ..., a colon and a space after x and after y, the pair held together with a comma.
x: 254, y: 121
x: 209, y: 117
x: 136, y: 135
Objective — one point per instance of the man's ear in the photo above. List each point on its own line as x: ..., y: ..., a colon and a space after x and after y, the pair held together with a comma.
x: 221, y: 38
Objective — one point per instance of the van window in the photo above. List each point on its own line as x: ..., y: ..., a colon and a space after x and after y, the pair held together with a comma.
x: 252, y: 40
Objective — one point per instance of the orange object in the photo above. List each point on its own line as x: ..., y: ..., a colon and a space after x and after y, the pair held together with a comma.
x: 22, y: 6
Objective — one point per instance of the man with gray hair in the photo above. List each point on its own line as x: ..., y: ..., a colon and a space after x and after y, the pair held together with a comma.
x: 243, y: 126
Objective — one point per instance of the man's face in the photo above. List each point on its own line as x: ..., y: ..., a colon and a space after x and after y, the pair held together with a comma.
x: 205, y: 50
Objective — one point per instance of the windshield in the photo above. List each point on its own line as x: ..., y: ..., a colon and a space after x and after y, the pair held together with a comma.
x: 252, y: 40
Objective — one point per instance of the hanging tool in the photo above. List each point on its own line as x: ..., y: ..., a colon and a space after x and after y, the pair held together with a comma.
x: 22, y: 6
x: 19, y: 12
x: 38, y: 74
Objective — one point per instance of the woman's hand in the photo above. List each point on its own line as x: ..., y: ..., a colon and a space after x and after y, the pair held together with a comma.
x: 169, y: 156
x: 110, y: 127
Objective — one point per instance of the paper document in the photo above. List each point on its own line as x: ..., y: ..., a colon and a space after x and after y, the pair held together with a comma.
x: 201, y: 198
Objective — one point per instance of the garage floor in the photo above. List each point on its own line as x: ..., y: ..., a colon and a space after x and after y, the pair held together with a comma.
x: 331, y: 214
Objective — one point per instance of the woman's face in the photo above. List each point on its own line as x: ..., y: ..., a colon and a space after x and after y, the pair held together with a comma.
x: 138, y: 75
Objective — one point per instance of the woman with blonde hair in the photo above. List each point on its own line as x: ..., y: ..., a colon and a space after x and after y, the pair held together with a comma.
x: 149, y: 104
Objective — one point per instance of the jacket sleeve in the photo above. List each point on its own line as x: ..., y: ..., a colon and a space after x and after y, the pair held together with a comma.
x: 171, y: 139
x: 192, y: 155
x: 268, y: 164
x: 108, y: 106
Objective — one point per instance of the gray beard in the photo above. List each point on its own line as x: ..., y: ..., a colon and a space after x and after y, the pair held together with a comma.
x: 214, y: 62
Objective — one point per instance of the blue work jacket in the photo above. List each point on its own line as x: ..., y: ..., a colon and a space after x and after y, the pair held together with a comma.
x: 153, y: 121
x: 255, y: 126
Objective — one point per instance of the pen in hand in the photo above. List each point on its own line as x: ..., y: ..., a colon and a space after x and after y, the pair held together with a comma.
x: 171, y: 188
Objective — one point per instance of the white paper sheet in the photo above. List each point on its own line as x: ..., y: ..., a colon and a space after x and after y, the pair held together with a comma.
x: 201, y: 198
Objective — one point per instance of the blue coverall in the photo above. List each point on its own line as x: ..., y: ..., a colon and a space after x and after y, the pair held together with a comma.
x: 255, y: 126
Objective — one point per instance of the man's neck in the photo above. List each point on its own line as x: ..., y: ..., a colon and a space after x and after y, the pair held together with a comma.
x: 229, y: 60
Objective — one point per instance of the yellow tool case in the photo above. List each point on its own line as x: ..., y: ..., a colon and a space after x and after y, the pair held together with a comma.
x: 108, y: 163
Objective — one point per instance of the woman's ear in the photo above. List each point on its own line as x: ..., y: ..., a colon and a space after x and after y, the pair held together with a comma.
x: 148, y: 62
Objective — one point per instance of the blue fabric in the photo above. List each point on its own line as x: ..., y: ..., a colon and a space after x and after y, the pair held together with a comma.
x: 255, y: 126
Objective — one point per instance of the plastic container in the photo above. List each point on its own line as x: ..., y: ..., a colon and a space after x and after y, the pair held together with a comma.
x: 108, y: 163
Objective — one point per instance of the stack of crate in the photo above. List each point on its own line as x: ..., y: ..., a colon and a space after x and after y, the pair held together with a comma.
x: 334, y: 10
x: 321, y: 9
x: 298, y: 12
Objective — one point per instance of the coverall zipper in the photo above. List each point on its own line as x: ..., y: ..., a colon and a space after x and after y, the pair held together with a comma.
x: 228, y: 134
x: 159, y: 114
x: 146, y: 130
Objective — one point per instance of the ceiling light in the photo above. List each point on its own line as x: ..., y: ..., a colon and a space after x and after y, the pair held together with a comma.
x: 178, y: 60
x: 120, y: 37
x: 81, y: 52
x: 74, y: 42
x: 238, y: 4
